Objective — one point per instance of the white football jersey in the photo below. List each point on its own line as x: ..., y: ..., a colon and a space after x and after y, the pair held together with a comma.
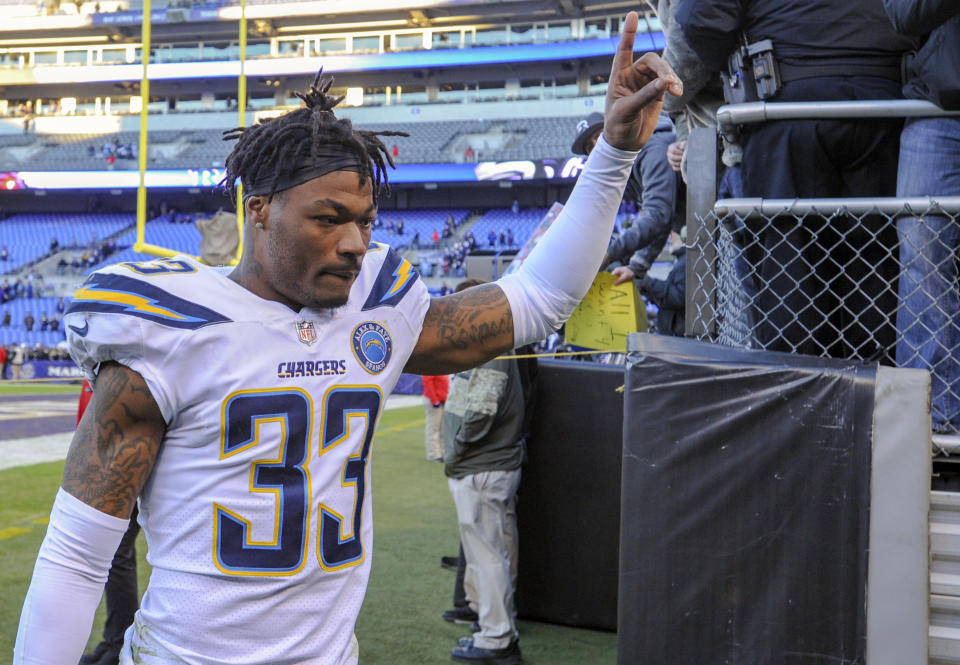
x: 258, y: 513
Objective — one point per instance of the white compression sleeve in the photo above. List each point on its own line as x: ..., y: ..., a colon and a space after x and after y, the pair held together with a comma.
x: 560, y: 269
x: 67, y: 583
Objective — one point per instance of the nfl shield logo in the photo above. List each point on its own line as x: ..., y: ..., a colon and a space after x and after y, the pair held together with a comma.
x: 306, y: 332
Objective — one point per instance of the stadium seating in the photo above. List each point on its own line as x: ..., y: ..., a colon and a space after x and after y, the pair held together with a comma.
x: 17, y: 334
x: 429, y: 142
x: 422, y: 221
x: 180, y: 236
x: 28, y: 235
x: 499, y: 220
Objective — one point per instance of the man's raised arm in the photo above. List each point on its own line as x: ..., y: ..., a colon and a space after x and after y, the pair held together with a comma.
x: 468, y: 328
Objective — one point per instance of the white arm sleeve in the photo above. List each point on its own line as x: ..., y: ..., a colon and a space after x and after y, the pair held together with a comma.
x: 67, y: 583
x: 560, y: 269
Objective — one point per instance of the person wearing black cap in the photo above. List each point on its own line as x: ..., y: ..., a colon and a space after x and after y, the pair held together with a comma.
x: 653, y: 186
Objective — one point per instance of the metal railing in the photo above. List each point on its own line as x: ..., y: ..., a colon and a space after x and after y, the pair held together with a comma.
x: 826, y: 277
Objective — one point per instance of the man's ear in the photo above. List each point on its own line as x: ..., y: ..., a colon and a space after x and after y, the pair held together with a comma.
x: 256, y: 209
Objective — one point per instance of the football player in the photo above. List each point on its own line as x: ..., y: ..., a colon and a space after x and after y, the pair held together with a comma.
x: 240, y: 408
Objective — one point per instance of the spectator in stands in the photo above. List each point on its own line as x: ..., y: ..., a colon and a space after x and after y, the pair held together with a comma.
x: 394, y: 151
x: 44, y: 322
x: 927, y: 319
x: 702, y: 96
x: 669, y: 295
x: 652, y: 186
x: 61, y: 306
x: 6, y: 319
x: 484, y: 431
x: 502, y: 238
x: 435, y: 238
x: 515, y: 206
x: 3, y: 362
x: 54, y: 323
x: 28, y: 321
x: 415, y: 240
x: 469, y: 155
x: 492, y: 238
x: 435, y: 389
x: 54, y: 244
x: 4, y: 253
x: 825, y: 51
x: 511, y: 242
x: 17, y: 357
x: 399, y: 227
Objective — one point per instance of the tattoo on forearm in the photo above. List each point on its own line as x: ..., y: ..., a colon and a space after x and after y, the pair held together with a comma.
x: 478, y: 316
x: 115, y: 447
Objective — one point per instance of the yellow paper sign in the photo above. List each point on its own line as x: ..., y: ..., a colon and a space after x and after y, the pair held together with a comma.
x: 606, y: 315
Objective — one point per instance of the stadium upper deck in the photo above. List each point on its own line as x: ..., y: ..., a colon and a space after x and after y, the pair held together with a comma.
x: 65, y: 61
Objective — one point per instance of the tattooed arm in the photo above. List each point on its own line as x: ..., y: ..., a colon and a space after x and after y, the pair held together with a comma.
x: 116, y: 443
x: 110, y: 459
x: 463, y: 330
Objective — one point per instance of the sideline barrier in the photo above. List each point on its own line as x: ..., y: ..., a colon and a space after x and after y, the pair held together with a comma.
x: 569, y: 499
x: 781, y: 518
x: 52, y: 370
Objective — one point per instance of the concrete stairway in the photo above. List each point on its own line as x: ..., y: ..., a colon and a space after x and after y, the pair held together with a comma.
x: 944, y: 578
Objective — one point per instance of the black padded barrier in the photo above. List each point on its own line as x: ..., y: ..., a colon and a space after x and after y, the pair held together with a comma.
x: 745, y: 522
x: 569, y: 499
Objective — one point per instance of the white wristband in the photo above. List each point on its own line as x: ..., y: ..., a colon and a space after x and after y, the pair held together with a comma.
x: 67, y: 583
x: 558, y: 272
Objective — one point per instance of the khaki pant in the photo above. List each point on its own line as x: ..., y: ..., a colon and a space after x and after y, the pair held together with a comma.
x: 433, y: 432
x: 487, y: 513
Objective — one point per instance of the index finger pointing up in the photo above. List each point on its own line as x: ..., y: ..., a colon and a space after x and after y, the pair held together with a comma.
x: 624, y: 55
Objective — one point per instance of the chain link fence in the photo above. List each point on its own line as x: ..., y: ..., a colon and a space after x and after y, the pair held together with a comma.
x: 866, y: 279
x: 875, y: 281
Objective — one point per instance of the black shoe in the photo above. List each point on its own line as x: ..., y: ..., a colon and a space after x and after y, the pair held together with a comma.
x: 460, y: 615
x: 475, y: 627
x: 470, y: 653
x: 449, y: 562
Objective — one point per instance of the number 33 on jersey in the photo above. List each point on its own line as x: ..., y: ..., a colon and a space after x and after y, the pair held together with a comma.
x: 261, y: 489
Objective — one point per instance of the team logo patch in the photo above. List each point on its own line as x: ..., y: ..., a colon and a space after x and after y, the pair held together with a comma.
x: 372, y: 345
x: 306, y: 332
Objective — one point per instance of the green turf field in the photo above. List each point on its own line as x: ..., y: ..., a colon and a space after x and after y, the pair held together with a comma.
x: 415, y: 524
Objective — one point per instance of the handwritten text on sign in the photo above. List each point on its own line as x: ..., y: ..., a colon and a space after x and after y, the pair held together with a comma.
x: 606, y: 315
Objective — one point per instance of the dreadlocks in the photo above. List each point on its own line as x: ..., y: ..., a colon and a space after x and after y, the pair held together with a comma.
x: 272, y: 149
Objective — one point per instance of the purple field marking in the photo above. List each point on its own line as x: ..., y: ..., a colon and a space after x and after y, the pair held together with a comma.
x: 21, y: 428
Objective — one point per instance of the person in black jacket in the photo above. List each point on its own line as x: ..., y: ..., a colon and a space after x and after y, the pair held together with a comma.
x: 928, y: 320
x: 826, y: 50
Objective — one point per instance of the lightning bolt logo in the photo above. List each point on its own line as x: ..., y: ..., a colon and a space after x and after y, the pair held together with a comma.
x: 401, y: 276
x: 132, y: 303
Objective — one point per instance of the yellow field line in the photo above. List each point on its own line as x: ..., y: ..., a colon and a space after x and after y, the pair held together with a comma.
x: 13, y: 531
x: 403, y: 426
